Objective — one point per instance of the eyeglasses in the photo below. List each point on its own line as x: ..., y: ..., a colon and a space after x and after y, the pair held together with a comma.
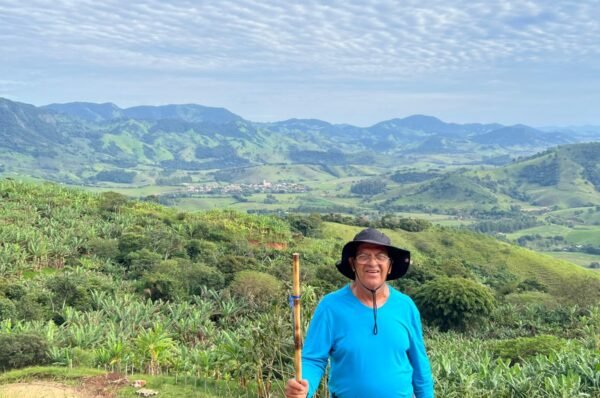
x: 365, y: 258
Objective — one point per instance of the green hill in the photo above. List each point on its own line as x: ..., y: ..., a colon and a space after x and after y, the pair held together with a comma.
x: 86, y: 143
x: 46, y: 225
x: 454, y: 190
x: 565, y: 176
x: 100, y: 281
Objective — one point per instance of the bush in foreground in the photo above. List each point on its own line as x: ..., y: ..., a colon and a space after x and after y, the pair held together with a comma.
x: 21, y: 350
x: 454, y: 303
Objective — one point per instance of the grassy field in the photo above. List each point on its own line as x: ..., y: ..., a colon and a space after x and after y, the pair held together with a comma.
x: 583, y: 235
x: 582, y: 259
x: 578, y: 226
x: 542, y: 230
x: 133, y: 191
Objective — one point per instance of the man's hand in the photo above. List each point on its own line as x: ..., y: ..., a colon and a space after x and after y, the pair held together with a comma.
x: 296, y: 389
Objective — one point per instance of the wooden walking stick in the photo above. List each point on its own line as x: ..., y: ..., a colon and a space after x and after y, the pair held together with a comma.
x: 297, y: 324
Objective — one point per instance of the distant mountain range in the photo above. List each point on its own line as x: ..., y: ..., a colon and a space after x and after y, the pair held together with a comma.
x: 191, y: 113
x: 87, y: 143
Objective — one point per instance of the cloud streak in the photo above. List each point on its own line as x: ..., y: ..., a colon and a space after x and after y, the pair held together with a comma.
x: 379, y: 42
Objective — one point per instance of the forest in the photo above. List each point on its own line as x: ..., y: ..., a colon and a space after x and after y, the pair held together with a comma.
x: 101, y: 281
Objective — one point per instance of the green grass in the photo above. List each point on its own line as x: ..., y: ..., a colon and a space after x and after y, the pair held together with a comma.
x: 584, y: 236
x: 527, y: 298
x: 135, y: 191
x: 582, y: 259
x: 44, y: 271
x: 48, y: 373
x: 542, y: 230
x: 127, y: 143
x: 205, y: 203
x: 167, y: 386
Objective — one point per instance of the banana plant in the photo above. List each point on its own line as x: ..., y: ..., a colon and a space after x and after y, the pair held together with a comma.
x: 154, y: 348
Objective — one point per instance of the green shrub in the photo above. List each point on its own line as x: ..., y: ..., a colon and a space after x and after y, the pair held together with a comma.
x: 581, y: 290
x: 105, y: 248
x: 522, y: 348
x: 12, y: 290
x: 133, y: 240
x: 160, y: 286
x: 328, y: 277
x: 530, y: 298
x: 307, y: 225
x: 454, y: 268
x: 530, y: 284
x: 7, y: 309
x: 142, y: 261
x: 368, y: 187
x: 21, y: 350
x: 418, y: 225
x: 35, y: 305
x: 454, y: 303
x: 112, y: 201
x: 197, y: 276
x: 74, y: 289
x: 230, y: 265
x: 256, y: 288
x: 81, y: 357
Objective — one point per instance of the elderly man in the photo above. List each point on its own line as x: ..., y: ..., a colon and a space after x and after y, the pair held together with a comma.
x: 370, y: 332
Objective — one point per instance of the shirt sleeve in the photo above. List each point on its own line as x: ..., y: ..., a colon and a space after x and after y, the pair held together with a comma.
x: 317, y: 346
x: 422, y: 378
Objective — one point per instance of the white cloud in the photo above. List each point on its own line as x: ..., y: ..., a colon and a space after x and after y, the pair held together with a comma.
x: 326, y: 44
x: 353, y: 37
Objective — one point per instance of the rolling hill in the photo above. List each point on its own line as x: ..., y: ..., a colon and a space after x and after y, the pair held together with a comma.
x: 566, y: 176
x: 87, y: 143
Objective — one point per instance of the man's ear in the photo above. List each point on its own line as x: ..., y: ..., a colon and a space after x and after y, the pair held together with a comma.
x: 390, y: 268
x: 352, y: 267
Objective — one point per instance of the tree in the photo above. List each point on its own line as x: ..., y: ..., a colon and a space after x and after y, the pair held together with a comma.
x: 368, y: 187
x: 160, y: 286
x: 105, y: 248
x: 7, y: 309
x: 21, y: 350
x: 73, y: 290
x: 230, y: 265
x: 521, y: 348
x: 155, y: 348
x: 454, y: 303
x: 132, y: 240
x: 142, y: 261
x: 256, y: 288
x: 198, y: 276
x: 307, y: 225
x: 112, y: 201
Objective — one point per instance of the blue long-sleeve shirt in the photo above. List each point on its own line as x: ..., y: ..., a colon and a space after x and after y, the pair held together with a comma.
x: 392, y: 363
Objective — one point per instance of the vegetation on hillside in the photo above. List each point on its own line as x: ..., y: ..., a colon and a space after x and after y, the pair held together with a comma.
x: 104, y: 281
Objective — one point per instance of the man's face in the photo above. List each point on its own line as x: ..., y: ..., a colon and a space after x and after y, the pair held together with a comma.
x: 371, y: 264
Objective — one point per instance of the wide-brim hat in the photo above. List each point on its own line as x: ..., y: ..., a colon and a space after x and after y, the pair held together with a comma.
x: 400, y: 258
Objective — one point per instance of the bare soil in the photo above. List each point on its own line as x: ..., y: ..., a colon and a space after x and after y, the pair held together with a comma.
x: 40, y: 389
x: 103, y: 386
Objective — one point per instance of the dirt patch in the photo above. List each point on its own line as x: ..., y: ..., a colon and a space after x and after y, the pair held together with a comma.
x: 270, y: 245
x: 41, y: 389
x: 103, y: 386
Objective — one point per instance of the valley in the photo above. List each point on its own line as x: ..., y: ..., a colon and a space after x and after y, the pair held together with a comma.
x: 535, y: 188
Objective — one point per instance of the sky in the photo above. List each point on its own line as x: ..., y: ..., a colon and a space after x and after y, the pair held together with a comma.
x: 342, y: 61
